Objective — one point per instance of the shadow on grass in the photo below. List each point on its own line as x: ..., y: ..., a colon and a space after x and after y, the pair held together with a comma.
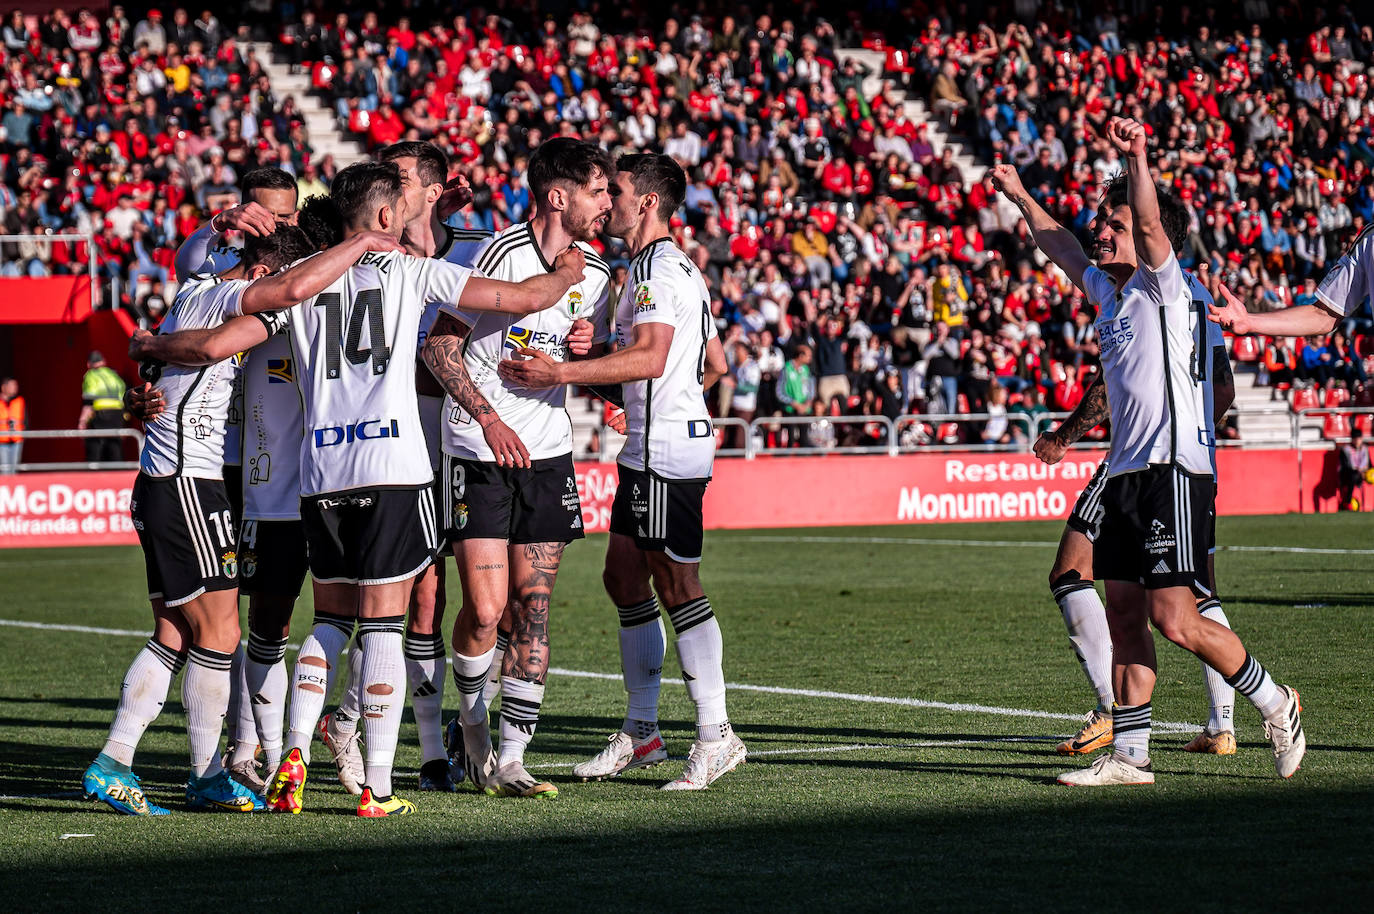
x: 793, y: 856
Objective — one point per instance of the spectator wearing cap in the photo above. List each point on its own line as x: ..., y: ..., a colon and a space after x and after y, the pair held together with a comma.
x: 150, y: 35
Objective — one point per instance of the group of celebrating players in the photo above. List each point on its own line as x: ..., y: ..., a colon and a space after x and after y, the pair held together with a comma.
x: 289, y: 429
x: 362, y: 389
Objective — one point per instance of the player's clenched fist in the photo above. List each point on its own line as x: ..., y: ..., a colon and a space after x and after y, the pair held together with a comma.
x: 1050, y: 449
x: 572, y: 262
x: 1127, y: 135
x: 1006, y: 179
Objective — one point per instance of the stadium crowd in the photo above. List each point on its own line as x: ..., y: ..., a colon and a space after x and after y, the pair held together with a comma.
x: 853, y: 269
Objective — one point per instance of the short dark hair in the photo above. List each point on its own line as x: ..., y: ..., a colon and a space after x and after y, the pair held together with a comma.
x: 431, y: 164
x: 565, y: 160
x: 653, y: 173
x: 1173, y: 212
x: 319, y: 218
x: 284, y: 246
x: 268, y: 179
x: 362, y: 188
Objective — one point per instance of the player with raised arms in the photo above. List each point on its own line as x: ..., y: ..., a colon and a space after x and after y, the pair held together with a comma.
x: 667, y: 355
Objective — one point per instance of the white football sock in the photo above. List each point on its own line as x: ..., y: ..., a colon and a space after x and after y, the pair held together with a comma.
x: 1131, y: 733
x: 470, y: 676
x: 240, y: 715
x: 1086, y: 620
x: 205, y: 695
x: 425, y: 675
x: 1254, y: 682
x: 520, y: 701
x: 264, y: 667
x: 493, y: 686
x: 383, y: 696
x: 1221, y: 697
x: 141, y: 697
x: 350, y: 702
x: 643, y: 644
x: 700, y: 650
x: 311, y: 682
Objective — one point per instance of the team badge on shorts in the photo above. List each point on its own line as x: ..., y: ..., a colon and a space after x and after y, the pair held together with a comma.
x: 229, y: 562
x: 460, y: 515
x: 249, y: 563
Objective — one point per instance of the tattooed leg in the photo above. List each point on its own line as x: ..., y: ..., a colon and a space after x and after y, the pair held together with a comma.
x: 526, y: 665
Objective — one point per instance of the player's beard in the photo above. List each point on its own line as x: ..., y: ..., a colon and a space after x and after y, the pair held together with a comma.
x: 585, y: 229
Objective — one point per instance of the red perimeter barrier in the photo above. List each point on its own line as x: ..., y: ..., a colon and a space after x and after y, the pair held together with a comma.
x: 70, y: 509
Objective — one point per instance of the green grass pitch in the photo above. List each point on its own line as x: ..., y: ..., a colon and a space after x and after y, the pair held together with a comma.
x: 844, y: 804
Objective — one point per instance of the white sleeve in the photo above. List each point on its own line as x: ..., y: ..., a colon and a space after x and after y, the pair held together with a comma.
x: 1346, y: 286
x: 442, y: 282
x: 1097, y: 286
x: 601, y: 314
x: 1166, y: 282
x: 653, y: 302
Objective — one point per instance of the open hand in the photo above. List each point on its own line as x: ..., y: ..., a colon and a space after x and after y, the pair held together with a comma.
x: 505, y: 444
x: 249, y: 218
x: 1231, y: 314
x: 457, y: 194
x: 532, y: 369
x: 144, y: 401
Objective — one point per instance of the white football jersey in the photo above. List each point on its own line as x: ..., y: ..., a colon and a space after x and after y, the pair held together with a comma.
x: 219, y: 258
x: 1157, y: 367
x: 272, y: 424
x: 668, y: 429
x: 460, y: 247
x: 354, y: 351
x: 1351, y: 280
x: 539, y: 417
x: 187, y: 438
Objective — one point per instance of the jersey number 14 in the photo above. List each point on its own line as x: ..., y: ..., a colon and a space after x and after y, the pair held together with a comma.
x: 367, y: 307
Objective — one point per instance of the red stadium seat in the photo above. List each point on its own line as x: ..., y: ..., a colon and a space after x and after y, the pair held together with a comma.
x: 1336, y: 396
x: 961, y: 404
x: 1336, y: 425
x: 1246, y: 349
x: 948, y: 433
x: 1306, y: 398
x: 1365, y: 423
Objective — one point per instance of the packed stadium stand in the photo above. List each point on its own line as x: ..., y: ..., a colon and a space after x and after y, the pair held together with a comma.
x: 860, y: 262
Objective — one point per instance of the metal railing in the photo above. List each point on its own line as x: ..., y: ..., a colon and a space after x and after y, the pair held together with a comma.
x: 86, y: 237
x: 78, y: 433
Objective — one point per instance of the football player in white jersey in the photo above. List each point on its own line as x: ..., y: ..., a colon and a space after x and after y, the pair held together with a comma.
x: 366, y: 488
x: 272, y: 560
x: 508, y: 480
x: 270, y: 200
x: 667, y: 355
x: 424, y: 171
x: 1344, y: 288
x: 1071, y: 575
x: 1156, y: 529
x: 181, y: 512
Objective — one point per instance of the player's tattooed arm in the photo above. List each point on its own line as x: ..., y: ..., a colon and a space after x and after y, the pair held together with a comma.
x: 536, y: 568
x: 443, y: 354
x: 1090, y: 412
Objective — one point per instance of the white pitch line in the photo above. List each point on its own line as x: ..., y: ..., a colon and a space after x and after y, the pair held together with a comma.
x: 961, y: 707
x: 1014, y: 544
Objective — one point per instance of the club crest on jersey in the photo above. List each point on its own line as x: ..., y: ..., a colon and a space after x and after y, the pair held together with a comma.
x: 574, y: 302
x: 460, y: 515
x: 230, y: 563
x: 644, y: 299
x: 279, y: 372
x: 367, y: 430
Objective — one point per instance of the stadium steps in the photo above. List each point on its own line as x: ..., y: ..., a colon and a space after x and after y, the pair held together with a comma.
x: 917, y: 112
x: 1271, y: 428
x: 585, y: 421
x: 320, y: 123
